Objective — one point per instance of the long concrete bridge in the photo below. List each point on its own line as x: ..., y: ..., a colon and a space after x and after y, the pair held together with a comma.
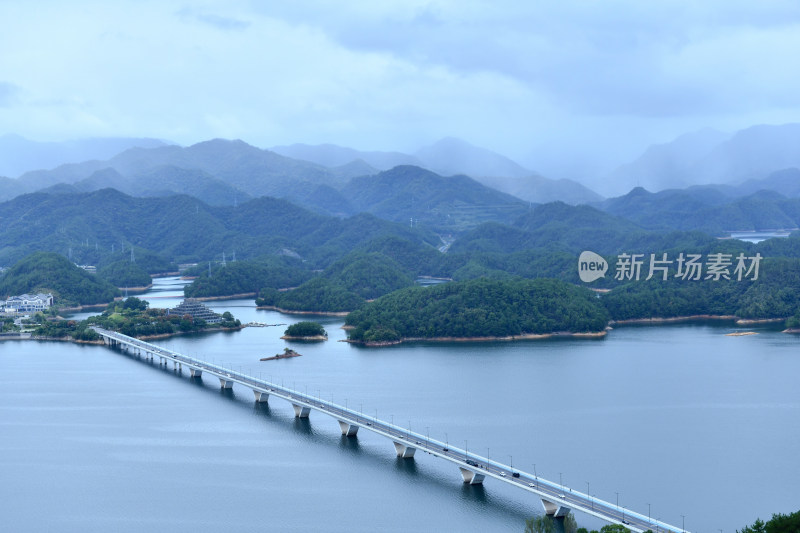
x: 557, y: 500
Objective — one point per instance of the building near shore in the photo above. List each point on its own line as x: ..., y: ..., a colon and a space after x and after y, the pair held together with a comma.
x: 196, y: 309
x: 27, y: 303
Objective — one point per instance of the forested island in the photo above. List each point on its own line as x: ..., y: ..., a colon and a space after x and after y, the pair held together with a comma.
x: 479, y: 309
x: 132, y: 317
x: 305, y: 331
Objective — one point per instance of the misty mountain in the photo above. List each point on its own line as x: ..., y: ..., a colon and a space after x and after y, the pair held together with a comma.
x: 448, y: 157
x: 447, y: 203
x: 669, y: 165
x: 240, y: 166
x: 752, y: 153
x: 541, y: 190
x: 159, y: 181
x: 560, y: 227
x: 711, y: 157
x: 353, y: 169
x: 331, y: 155
x: 785, y: 182
x: 706, y: 209
x: 19, y: 155
x: 451, y: 156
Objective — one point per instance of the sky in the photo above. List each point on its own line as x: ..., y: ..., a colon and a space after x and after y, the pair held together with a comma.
x: 567, y: 88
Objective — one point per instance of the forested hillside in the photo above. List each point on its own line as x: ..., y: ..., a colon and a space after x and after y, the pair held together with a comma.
x: 49, y: 272
x: 94, y: 226
x: 479, y: 308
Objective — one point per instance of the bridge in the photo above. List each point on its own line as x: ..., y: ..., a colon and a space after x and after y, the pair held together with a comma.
x: 557, y: 499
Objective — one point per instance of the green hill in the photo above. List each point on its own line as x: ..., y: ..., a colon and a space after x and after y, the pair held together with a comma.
x: 94, y: 226
x: 479, y: 308
x: 447, y: 203
x: 49, y: 272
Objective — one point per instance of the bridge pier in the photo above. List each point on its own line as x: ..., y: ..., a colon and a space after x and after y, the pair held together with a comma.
x: 225, y: 383
x: 471, y: 477
x: 348, y: 429
x: 195, y: 372
x: 406, y: 452
x: 554, y: 509
x: 261, y: 396
x: 301, y: 411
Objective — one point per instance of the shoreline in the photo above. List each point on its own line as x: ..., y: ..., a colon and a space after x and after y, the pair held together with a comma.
x: 136, y: 290
x: 228, y: 297
x: 688, y: 318
x: 290, y: 312
x: 310, y: 338
x: 524, y: 336
x: 100, y: 342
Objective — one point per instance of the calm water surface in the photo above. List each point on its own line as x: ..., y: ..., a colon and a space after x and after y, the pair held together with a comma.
x: 682, y: 417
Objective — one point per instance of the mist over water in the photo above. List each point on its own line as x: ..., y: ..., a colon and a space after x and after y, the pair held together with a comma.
x: 681, y: 417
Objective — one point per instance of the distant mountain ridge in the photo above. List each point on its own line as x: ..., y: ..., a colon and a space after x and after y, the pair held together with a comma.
x: 222, y: 172
x: 711, y: 157
x: 451, y: 157
x: 19, y: 155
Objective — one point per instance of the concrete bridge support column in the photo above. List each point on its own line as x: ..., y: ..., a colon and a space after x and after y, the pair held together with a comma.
x: 348, y: 429
x: 406, y: 452
x: 195, y: 372
x: 554, y: 509
x: 225, y: 383
x: 471, y: 477
x: 261, y: 396
x: 301, y: 411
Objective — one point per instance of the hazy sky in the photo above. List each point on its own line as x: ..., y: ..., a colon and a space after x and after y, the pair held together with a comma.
x: 583, y: 83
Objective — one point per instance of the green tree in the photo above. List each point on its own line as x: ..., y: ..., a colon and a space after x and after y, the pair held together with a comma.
x: 779, y: 523
x: 570, y: 524
x: 540, y: 524
x: 614, y: 528
x: 305, y: 329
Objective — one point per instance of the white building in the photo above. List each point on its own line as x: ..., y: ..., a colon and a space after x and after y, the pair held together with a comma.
x: 27, y: 303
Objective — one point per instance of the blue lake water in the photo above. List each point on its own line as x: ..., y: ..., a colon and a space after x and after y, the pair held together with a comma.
x: 680, y: 417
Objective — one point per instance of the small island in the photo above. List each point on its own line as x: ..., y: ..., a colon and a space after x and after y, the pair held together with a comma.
x: 287, y: 353
x: 305, y: 331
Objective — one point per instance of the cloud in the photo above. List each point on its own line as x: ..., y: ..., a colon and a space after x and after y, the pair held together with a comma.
x: 9, y: 94
x: 216, y: 21
x: 572, y: 81
x: 607, y: 58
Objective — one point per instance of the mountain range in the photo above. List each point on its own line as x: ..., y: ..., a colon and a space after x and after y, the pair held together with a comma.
x: 229, y: 171
x: 712, y: 157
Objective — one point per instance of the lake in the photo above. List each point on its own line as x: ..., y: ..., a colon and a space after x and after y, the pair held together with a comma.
x: 680, y: 417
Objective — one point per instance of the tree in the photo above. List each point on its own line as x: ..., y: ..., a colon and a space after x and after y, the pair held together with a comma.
x: 570, y: 524
x: 305, y: 329
x: 779, y: 523
x: 540, y: 524
x: 614, y: 528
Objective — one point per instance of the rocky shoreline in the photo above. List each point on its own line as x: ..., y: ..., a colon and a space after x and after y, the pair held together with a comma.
x: 526, y: 336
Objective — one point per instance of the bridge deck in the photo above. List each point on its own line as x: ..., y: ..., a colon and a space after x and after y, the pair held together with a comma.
x: 554, y: 493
